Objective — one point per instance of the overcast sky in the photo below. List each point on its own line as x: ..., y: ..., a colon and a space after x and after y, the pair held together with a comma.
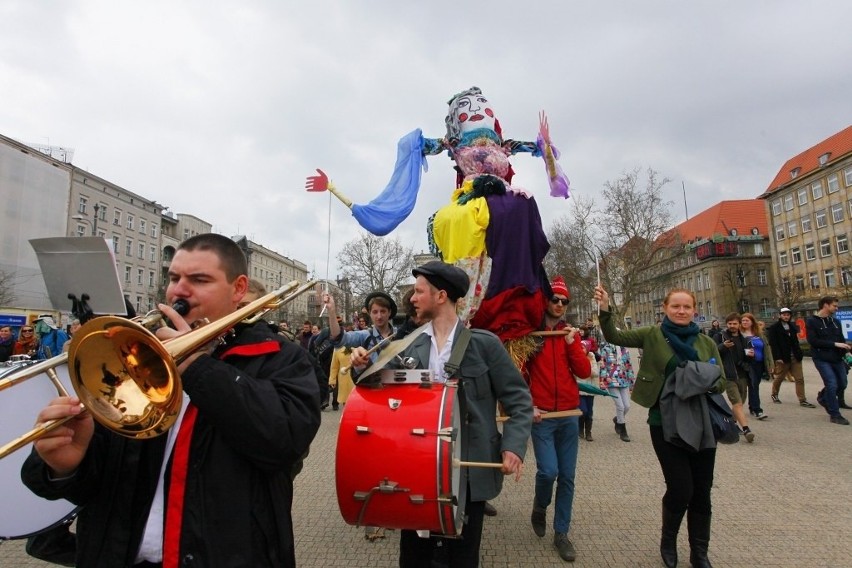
x: 221, y: 109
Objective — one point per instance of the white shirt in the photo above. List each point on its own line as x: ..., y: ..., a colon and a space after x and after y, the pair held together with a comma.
x: 437, y: 360
x: 151, y: 548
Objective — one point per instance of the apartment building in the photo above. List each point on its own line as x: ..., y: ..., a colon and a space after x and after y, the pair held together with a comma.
x: 809, y: 208
x: 722, y: 255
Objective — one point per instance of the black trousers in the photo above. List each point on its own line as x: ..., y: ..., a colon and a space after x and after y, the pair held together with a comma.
x: 416, y: 552
x: 689, y: 475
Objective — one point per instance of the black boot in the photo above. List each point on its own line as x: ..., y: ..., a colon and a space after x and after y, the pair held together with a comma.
x: 699, y: 539
x: 589, y: 430
x: 841, y: 400
x: 668, y: 542
x: 582, y: 422
x: 622, y: 431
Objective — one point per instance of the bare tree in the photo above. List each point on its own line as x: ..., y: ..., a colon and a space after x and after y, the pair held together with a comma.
x: 7, y: 288
x: 789, y: 292
x: 734, y: 279
x: 572, y: 249
x: 374, y: 263
x: 632, y: 218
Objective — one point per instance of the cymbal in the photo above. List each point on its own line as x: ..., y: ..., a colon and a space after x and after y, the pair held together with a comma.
x: 393, y: 349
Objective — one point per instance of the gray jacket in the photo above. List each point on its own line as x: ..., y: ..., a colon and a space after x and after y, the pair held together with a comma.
x: 683, y: 406
x: 487, y: 375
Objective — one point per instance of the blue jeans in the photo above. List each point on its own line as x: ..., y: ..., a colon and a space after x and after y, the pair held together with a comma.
x: 833, y: 375
x: 755, y: 375
x: 555, y: 445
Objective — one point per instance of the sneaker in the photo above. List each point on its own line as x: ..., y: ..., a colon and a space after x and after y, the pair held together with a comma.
x: 749, y: 435
x: 839, y: 420
x: 539, y: 520
x: 806, y: 404
x: 776, y: 400
x: 760, y: 415
x: 490, y: 510
x: 564, y: 546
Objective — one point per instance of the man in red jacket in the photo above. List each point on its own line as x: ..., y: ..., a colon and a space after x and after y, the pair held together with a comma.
x: 551, y: 374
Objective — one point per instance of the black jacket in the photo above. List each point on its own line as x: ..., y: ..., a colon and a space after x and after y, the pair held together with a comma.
x: 823, y: 333
x: 784, y: 343
x: 258, y: 412
x: 733, y: 359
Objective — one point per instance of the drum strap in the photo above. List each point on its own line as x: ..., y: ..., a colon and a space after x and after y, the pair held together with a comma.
x: 452, y: 366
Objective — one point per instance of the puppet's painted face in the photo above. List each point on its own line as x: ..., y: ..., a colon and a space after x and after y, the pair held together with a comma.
x: 473, y: 112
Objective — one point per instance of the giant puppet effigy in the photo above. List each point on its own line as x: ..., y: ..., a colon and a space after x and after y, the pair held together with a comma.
x: 489, y: 228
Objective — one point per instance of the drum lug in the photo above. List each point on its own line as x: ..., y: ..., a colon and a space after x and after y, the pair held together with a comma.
x: 362, y: 429
x: 447, y: 434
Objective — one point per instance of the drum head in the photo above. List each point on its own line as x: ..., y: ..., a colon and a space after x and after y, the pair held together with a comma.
x: 24, y: 513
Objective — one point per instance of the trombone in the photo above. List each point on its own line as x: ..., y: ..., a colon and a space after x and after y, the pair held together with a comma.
x: 126, y: 377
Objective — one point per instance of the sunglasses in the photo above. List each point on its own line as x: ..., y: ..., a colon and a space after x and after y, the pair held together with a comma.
x: 562, y: 301
x: 26, y: 331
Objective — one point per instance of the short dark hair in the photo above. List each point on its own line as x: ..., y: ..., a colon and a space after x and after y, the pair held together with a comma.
x: 231, y: 257
x: 827, y: 300
x: 732, y: 316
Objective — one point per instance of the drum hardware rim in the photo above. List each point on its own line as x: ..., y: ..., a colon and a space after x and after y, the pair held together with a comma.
x: 385, y: 486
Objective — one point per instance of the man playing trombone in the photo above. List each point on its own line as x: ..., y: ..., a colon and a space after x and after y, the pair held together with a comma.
x: 216, y: 490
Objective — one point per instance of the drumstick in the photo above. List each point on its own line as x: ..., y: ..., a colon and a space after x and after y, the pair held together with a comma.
x: 550, y: 332
x: 557, y: 414
x: 459, y: 463
x: 381, y: 344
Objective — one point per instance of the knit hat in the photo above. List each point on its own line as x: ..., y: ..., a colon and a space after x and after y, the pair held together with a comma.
x: 559, y: 287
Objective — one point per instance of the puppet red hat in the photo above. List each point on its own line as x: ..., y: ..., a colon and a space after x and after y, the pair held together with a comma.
x: 559, y: 287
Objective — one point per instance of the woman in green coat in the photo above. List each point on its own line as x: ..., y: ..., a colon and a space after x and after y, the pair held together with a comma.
x: 688, y: 475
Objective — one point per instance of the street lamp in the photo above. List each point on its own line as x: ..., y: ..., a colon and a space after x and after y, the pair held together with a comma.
x: 86, y: 220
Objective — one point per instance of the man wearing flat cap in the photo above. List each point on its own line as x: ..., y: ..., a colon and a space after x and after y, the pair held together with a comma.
x: 486, y: 375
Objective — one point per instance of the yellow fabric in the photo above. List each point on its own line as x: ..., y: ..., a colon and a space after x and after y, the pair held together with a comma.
x: 342, y: 379
x: 459, y: 230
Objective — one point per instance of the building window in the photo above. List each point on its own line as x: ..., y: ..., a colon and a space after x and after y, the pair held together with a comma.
x: 764, y: 307
x: 833, y: 183
x: 803, y: 196
x: 816, y: 189
x: 127, y: 274
x: 847, y: 176
x: 154, y: 230
x: 779, y: 233
x: 776, y: 207
x: 792, y: 228
x: 782, y: 258
x: 761, y: 276
x: 785, y: 285
x: 842, y: 243
x: 758, y: 249
x: 81, y: 231
x: 709, y: 308
x: 800, y: 283
x: 846, y: 275
x: 142, y: 227
x: 128, y: 249
x: 130, y: 221
x: 153, y: 253
x: 698, y: 280
x: 830, y: 280
x: 810, y: 251
x: 115, y: 245
x: 837, y: 213
x: 142, y: 250
x: 139, y: 273
x: 102, y: 212
x: 81, y: 205
x: 150, y: 303
x: 821, y: 219
x: 138, y: 304
x: 806, y: 224
x: 744, y: 306
x: 116, y: 217
x: 813, y: 278
x: 788, y: 203
x: 824, y: 248
x: 150, y: 278
x: 707, y: 283
x: 796, y: 255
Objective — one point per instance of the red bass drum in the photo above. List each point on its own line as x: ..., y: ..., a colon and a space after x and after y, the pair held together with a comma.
x: 397, y: 458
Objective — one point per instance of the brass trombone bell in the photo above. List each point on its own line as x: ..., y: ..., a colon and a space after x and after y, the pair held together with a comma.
x: 128, y: 379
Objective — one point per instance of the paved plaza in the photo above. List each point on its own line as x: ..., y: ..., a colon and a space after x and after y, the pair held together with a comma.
x: 785, y: 500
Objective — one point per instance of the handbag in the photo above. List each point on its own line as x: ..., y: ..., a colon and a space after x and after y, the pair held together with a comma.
x: 725, y: 428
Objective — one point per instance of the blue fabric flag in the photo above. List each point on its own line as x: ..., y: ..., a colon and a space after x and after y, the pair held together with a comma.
x: 393, y: 205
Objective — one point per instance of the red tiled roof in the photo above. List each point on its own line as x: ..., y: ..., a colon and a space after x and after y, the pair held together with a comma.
x: 740, y: 214
x: 837, y: 146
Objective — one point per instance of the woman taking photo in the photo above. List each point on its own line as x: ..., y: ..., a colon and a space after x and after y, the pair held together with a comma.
x: 688, y: 475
